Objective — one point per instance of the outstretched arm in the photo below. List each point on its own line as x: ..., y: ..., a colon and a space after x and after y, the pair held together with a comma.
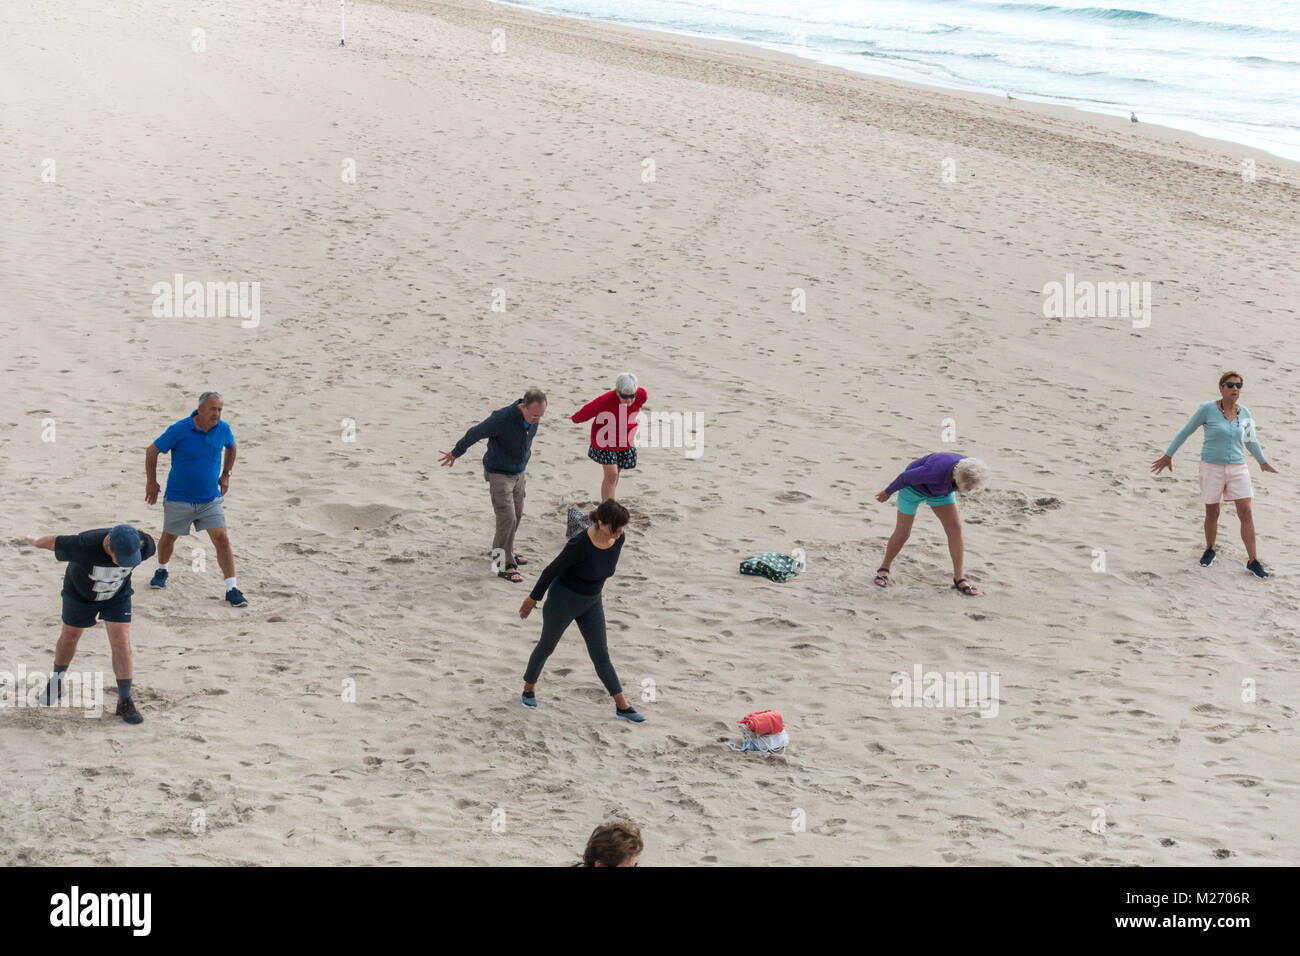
x: 594, y: 407
x: 894, y: 485
x: 913, y: 474
x: 563, y: 561
x: 1193, y: 423
x: 484, y: 429
x: 45, y: 541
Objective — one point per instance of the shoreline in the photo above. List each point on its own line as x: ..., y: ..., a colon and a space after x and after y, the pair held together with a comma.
x: 1154, y: 131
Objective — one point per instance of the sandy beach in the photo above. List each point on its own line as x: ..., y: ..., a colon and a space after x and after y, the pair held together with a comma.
x: 655, y: 203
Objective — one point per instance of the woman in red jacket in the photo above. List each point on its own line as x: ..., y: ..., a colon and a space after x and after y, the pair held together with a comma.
x: 613, y: 432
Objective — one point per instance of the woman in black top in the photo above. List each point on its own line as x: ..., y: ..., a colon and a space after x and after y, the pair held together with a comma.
x: 575, y: 579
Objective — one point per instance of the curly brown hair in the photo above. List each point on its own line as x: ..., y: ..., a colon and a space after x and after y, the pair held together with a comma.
x: 611, y: 844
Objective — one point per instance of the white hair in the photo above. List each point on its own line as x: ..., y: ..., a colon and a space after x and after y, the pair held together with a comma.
x: 203, y: 399
x: 970, y: 473
x: 625, y: 384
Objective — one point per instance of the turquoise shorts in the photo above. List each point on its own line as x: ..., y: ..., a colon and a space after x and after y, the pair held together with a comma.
x: 909, y: 499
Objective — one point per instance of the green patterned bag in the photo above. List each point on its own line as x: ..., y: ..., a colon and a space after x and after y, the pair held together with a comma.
x: 776, y: 567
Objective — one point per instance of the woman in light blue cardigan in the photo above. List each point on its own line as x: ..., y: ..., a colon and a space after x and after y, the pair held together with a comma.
x: 1224, y: 475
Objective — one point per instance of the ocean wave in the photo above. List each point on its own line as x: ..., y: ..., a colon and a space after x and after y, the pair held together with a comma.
x: 1124, y: 15
x: 918, y: 56
x: 1262, y: 61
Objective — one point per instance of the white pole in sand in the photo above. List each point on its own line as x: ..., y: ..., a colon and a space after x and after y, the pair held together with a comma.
x: 341, y: 23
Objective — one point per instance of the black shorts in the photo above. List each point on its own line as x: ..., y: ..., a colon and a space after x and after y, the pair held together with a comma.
x: 625, y: 458
x: 78, y: 612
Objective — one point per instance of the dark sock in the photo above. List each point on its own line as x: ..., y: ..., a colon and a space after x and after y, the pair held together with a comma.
x: 625, y: 710
x: 123, y: 689
x: 529, y: 693
x: 54, y: 689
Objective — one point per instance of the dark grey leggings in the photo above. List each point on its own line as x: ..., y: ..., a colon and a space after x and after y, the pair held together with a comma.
x: 564, y: 606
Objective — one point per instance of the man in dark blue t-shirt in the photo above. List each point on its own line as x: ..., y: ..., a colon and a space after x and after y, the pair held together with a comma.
x: 196, y: 487
x: 97, y: 585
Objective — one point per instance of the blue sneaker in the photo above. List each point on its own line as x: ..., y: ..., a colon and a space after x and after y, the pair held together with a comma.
x: 528, y: 700
x: 630, y: 715
x: 236, y: 598
x: 159, y: 580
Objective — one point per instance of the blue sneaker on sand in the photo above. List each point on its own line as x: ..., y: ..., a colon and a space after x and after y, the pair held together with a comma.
x: 630, y: 715
x: 528, y: 700
x: 236, y: 598
x: 159, y: 579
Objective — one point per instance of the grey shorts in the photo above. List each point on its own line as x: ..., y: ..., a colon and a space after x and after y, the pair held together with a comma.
x: 179, y: 515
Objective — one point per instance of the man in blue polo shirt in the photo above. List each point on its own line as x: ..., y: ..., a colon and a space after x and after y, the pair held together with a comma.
x: 196, y: 487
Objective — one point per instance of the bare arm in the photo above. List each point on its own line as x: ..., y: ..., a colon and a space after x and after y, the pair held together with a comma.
x: 151, y: 488
x: 226, y: 468
x: 45, y: 541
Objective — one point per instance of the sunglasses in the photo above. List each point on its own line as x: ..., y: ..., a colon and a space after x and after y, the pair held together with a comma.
x: 628, y: 397
x: 1233, y: 384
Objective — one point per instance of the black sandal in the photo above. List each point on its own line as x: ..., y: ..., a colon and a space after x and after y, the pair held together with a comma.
x: 882, y: 577
x: 512, y: 575
x: 965, y: 587
x: 520, y: 559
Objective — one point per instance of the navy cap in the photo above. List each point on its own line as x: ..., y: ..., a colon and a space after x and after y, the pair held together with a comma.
x: 125, y: 542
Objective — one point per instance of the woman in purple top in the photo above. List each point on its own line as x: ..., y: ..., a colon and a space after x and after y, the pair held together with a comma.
x: 935, y: 480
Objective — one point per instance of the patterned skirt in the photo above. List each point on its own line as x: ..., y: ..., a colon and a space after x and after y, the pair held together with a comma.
x: 625, y: 458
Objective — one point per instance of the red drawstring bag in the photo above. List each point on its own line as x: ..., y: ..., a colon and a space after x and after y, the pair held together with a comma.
x: 764, y: 722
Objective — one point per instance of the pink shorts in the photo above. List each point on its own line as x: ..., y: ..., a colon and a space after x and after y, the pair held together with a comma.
x: 1224, y: 483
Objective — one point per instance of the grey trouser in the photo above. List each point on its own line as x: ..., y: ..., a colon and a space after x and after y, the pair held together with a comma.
x: 508, y: 505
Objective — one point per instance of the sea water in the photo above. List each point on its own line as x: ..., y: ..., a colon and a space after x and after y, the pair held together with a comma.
x: 1229, y: 70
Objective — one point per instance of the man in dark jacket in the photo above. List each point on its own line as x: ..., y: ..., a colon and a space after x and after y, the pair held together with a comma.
x: 510, y: 432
